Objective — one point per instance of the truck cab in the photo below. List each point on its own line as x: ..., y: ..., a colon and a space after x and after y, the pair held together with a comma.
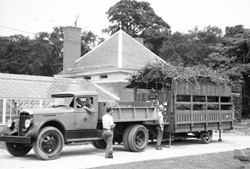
x: 47, y: 130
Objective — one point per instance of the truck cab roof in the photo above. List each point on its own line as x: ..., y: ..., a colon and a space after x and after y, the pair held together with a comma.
x: 75, y: 93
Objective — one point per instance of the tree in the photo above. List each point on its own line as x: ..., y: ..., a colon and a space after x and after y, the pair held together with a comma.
x: 39, y: 56
x: 88, y: 41
x: 233, y: 57
x: 138, y: 19
x: 15, y: 54
x: 192, y: 48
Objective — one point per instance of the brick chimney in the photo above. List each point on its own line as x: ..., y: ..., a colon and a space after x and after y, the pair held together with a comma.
x: 71, y: 46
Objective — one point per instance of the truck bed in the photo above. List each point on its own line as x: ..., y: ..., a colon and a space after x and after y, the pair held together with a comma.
x: 129, y: 111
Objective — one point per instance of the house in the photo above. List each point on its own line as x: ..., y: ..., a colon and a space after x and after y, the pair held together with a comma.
x: 107, y: 65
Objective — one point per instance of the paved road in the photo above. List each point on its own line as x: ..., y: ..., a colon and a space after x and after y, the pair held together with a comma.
x: 86, y: 156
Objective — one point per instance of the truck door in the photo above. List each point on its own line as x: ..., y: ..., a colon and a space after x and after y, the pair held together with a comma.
x: 85, y: 119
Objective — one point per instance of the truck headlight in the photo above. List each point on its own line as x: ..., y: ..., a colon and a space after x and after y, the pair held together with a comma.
x: 27, y: 123
x: 10, y: 123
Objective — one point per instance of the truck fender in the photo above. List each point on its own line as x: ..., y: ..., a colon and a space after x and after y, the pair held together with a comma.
x: 7, y: 131
x: 34, y: 131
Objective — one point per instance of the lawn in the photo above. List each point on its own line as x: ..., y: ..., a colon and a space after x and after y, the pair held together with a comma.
x: 223, y: 160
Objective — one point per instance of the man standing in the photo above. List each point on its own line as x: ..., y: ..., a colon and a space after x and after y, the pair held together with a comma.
x: 108, y: 131
x: 160, y: 127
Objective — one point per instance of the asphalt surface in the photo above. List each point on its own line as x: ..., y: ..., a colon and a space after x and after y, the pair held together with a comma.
x: 86, y: 156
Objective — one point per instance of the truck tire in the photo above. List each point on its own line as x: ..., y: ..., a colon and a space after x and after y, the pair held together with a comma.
x: 94, y: 144
x: 138, y: 138
x: 48, y: 144
x: 17, y: 149
x: 100, y: 144
x: 206, y: 137
x: 125, y: 137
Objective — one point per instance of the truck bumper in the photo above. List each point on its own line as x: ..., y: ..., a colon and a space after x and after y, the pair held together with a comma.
x: 15, y: 139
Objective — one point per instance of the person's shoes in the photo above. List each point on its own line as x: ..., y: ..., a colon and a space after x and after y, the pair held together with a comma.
x: 110, y: 154
x: 158, y: 148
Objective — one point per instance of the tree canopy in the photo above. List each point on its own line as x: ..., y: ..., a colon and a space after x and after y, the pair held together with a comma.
x: 42, y: 55
x: 192, y: 48
x: 138, y: 19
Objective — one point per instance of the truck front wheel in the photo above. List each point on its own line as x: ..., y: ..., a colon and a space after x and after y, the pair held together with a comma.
x: 48, y: 144
x: 138, y: 138
x: 100, y: 144
x: 17, y: 149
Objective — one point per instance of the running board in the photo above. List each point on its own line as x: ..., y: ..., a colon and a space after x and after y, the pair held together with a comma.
x: 83, y: 139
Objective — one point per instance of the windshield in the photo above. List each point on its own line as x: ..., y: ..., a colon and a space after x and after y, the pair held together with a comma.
x: 61, y: 101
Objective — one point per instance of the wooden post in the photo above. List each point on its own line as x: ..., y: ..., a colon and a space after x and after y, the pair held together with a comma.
x: 220, y: 135
x: 169, y: 139
x: 135, y: 93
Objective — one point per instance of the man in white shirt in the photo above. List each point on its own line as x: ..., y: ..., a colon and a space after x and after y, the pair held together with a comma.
x: 108, y: 132
x: 160, y: 127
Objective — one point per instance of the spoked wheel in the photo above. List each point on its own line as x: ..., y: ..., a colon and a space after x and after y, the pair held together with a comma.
x: 17, y: 149
x: 49, y: 143
x: 206, y: 137
x: 138, y: 138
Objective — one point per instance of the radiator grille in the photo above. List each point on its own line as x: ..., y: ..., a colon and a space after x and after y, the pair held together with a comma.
x: 23, y: 116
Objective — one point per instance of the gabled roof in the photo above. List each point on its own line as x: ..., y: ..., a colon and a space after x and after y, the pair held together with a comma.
x: 120, y: 52
x: 41, y: 87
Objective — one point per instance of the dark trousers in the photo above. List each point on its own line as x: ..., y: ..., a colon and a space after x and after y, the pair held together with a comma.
x: 108, y: 137
x: 159, y: 136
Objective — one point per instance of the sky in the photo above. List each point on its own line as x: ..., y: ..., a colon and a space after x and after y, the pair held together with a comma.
x: 29, y: 17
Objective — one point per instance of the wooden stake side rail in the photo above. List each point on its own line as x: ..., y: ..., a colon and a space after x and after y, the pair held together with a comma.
x: 183, y: 117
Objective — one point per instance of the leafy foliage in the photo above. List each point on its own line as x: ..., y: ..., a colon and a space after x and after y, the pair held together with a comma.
x: 138, y: 19
x: 192, y: 48
x: 165, y: 73
x: 39, y: 56
x: 134, y: 18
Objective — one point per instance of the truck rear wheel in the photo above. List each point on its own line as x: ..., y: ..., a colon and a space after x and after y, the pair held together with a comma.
x: 17, y: 149
x: 138, y: 138
x: 206, y: 137
x: 48, y: 144
x: 125, y: 137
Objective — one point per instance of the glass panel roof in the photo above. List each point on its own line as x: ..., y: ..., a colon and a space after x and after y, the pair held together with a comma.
x: 41, y: 87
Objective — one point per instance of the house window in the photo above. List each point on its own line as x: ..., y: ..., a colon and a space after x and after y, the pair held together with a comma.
x: 87, y: 77
x: 103, y: 76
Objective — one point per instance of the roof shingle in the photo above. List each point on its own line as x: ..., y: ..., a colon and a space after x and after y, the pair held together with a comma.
x: 41, y: 87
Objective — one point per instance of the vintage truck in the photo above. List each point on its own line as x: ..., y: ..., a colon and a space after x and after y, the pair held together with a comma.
x: 47, y: 130
x: 189, y: 113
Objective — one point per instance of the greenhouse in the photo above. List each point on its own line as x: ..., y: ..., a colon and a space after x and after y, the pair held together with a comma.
x: 19, y: 92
